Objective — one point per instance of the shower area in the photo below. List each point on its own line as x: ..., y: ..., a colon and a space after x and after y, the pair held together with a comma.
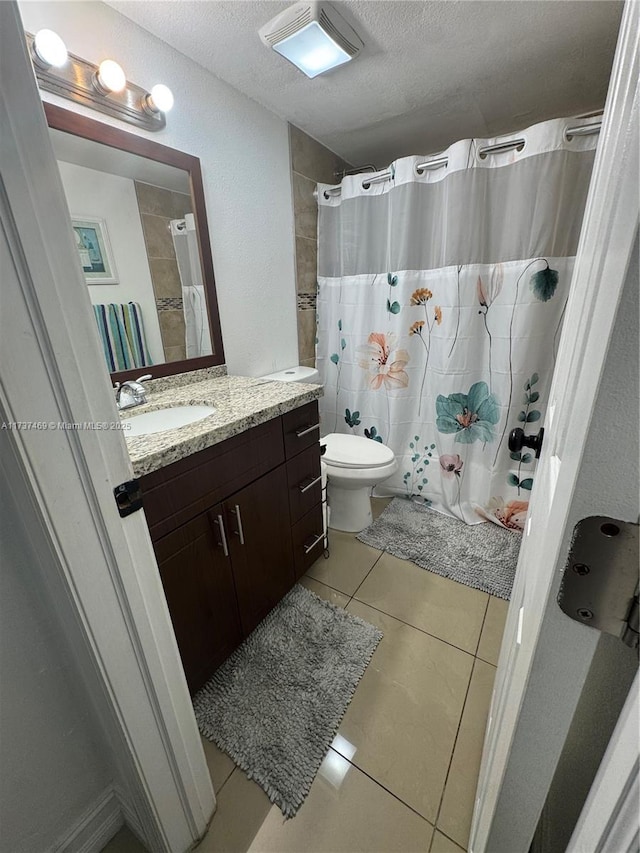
x: 194, y: 302
x: 442, y: 286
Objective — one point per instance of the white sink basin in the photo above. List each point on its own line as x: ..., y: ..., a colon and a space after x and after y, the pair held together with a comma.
x: 163, y: 419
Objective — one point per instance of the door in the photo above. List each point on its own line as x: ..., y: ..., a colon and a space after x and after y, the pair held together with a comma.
x: 260, y: 545
x: 588, y: 467
x: 99, y: 573
x: 197, y: 577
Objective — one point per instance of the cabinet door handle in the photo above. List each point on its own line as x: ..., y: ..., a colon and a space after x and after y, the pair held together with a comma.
x: 306, y: 430
x: 239, y: 532
x: 223, y: 536
x: 316, y: 541
x: 310, y: 485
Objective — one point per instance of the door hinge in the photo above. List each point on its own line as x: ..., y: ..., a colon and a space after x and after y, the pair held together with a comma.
x: 128, y: 497
x: 600, y: 581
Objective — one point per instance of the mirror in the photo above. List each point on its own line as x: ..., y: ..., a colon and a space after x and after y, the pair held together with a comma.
x: 139, y: 220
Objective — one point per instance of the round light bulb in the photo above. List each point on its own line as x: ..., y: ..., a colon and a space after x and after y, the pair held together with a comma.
x: 111, y: 77
x: 50, y: 49
x: 162, y: 97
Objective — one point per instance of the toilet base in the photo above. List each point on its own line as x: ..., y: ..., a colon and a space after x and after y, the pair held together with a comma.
x: 350, y: 508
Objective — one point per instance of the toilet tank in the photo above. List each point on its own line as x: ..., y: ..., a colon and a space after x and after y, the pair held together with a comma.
x: 296, y: 374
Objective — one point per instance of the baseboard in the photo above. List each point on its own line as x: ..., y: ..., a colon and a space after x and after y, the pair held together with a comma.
x: 95, y: 828
x: 130, y: 816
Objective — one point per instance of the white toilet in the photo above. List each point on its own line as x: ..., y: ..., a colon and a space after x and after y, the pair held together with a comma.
x: 353, y: 464
x: 296, y: 374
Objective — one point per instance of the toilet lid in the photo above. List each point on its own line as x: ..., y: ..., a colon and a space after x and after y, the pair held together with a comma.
x: 353, y: 451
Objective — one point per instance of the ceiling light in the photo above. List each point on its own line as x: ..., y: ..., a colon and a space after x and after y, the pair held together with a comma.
x: 160, y: 99
x: 312, y: 50
x: 49, y: 49
x: 110, y: 77
x: 313, y: 36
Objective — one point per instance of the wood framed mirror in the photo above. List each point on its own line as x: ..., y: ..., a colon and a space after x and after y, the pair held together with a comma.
x: 139, y: 217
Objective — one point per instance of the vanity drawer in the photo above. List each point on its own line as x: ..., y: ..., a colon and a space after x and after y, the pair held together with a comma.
x: 175, y: 494
x: 301, y: 428
x: 303, y: 479
x: 307, y: 536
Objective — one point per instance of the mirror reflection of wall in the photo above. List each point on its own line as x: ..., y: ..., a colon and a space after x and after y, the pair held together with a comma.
x: 157, y: 310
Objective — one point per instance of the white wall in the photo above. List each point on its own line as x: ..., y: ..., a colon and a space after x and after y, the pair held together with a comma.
x: 112, y: 198
x: 52, y: 759
x: 244, y: 152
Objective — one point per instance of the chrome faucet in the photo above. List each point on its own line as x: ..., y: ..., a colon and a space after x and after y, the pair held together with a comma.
x: 131, y: 393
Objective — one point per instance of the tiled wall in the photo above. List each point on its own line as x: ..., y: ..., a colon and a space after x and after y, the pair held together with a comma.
x: 311, y: 163
x: 157, y: 207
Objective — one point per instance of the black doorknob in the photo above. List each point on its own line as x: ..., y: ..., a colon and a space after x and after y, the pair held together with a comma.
x: 518, y: 440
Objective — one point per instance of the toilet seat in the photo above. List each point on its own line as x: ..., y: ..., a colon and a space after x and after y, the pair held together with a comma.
x: 353, y: 451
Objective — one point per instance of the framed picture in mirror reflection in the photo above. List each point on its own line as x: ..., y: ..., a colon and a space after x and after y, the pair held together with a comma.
x: 94, y: 249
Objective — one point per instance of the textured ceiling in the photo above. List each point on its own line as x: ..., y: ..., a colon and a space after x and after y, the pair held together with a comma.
x: 430, y: 72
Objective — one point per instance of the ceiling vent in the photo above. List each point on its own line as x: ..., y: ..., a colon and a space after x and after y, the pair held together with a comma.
x: 313, y: 36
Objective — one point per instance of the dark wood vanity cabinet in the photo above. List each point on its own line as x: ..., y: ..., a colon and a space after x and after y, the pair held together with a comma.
x: 259, y: 531
x: 199, y: 586
x: 233, y: 527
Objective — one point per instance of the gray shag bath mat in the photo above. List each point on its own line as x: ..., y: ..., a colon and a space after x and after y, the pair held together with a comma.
x: 275, y: 704
x: 483, y: 556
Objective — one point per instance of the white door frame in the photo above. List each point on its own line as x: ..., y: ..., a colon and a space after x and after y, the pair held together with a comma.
x: 545, y: 656
x: 100, y: 570
x: 609, y: 819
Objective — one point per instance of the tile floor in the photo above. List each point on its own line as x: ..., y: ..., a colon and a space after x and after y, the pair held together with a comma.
x: 401, y: 773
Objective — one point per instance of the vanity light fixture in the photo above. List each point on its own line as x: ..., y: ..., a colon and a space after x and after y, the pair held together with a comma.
x: 49, y: 50
x: 104, y: 88
x: 313, y: 36
x: 109, y: 78
x: 160, y: 99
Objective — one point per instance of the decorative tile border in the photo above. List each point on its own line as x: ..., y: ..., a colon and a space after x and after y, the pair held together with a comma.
x: 169, y: 303
x: 307, y: 301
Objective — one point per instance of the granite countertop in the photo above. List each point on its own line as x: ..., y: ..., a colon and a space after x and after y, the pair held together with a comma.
x: 241, y: 403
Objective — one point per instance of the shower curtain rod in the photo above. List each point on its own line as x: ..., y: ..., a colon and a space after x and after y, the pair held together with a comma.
x: 498, y: 148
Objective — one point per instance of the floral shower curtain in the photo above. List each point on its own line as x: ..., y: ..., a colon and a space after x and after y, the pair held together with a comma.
x: 440, y: 302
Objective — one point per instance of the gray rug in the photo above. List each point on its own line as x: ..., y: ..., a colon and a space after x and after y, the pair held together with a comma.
x: 275, y: 704
x: 483, y: 556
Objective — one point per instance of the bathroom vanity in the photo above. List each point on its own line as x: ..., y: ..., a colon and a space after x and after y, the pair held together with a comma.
x: 233, y: 504
x: 233, y: 500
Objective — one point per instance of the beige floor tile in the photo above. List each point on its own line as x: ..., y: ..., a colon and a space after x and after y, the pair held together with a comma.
x: 442, y: 844
x: 378, y: 505
x: 241, y: 809
x: 219, y: 764
x: 401, y: 724
x: 492, y: 630
x: 345, y: 812
x: 324, y: 591
x: 124, y: 841
x: 440, y: 606
x: 457, y: 804
x: 348, y: 565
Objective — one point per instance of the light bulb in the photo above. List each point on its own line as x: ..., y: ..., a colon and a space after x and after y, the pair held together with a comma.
x: 110, y: 77
x: 50, y: 49
x: 162, y: 97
